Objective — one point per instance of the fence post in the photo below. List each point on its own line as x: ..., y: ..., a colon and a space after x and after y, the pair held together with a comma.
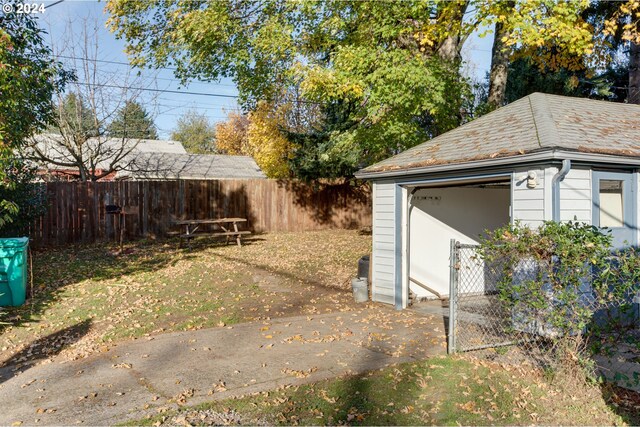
x: 453, y: 296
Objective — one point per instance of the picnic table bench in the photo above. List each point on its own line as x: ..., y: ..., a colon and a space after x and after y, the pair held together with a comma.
x: 228, y: 227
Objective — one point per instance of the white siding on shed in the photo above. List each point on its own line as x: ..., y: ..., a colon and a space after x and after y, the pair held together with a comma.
x: 575, y: 196
x: 384, y: 240
x: 530, y: 205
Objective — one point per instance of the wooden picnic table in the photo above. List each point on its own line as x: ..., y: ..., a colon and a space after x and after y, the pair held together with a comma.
x: 229, y: 227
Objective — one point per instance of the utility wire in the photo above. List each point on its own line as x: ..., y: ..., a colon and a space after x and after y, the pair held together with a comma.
x: 181, y: 92
x: 107, y: 61
x: 54, y: 4
x: 173, y: 103
x: 104, y: 61
x: 182, y: 115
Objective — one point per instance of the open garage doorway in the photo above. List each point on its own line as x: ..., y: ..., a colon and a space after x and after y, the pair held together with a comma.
x: 439, y: 213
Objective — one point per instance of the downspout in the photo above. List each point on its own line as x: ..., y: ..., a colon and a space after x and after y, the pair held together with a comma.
x: 555, y: 185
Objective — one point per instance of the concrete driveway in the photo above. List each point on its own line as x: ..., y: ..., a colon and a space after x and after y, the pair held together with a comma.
x: 153, y: 375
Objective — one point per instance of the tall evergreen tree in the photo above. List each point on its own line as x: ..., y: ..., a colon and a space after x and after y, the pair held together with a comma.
x: 132, y: 121
x: 74, y: 117
x: 525, y: 78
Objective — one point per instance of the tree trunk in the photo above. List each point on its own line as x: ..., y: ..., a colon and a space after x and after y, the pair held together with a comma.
x: 451, y: 46
x: 499, y: 65
x: 634, y: 74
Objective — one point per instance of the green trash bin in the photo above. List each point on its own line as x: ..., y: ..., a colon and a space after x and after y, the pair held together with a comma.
x: 13, y: 271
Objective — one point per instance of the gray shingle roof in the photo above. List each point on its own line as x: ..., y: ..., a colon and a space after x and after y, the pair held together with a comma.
x: 157, y: 146
x: 103, y: 150
x: 192, y: 166
x: 535, y: 123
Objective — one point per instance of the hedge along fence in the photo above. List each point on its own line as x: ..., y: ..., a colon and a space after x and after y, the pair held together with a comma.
x: 76, y: 211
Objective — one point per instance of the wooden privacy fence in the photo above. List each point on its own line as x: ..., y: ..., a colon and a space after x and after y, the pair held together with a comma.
x: 77, y: 214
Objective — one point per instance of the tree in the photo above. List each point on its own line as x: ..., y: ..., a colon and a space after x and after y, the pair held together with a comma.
x: 594, y: 68
x: 73, y: 116
x: 28, y: 80
x: 316, y: 155
x: 393, y: 66
x: 196, y: 133
x: 268, y: 145
x: 525, y: 78
x: 498, y: 73
x: 82, y: 141
x: 232, y: 134
x: 357, y: 46
x: 603, y: 71
x: 552, y: 36
x: 132, y: 121
x: 29, y: 197
x: 259, y: 134
x: 622, y: 27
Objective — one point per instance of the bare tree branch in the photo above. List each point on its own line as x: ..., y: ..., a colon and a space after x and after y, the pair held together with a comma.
x: 79, y: 139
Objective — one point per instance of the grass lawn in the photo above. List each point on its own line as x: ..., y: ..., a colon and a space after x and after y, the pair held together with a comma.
x: 439, y: 391
x: 86, y: 297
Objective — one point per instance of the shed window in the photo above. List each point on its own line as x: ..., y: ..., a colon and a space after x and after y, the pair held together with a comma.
x: 611, y: 203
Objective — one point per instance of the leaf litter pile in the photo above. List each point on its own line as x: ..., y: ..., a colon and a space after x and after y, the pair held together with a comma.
x: 87, y: 297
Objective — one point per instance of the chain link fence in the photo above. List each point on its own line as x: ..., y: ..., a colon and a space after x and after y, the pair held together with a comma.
x: 479, y: 318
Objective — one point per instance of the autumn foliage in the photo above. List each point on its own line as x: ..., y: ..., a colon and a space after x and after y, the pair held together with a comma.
x: 269, y: 147
x: 231, y: 135
x: 258, y: 134
x: 627, y: 19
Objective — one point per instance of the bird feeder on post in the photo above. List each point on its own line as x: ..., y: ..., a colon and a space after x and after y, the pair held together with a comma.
x: 117, y: 212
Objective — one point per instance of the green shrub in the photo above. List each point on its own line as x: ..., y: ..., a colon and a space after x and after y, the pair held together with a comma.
x: 27, y: 199
x: 562, y: 282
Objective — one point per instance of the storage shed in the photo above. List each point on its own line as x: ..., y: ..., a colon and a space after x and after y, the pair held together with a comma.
x: 543, y: 157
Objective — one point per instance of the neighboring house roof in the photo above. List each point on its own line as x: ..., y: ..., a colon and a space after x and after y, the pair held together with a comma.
x: 159, y: 146
x: 109, y: 148
x: 192, y: 166
x: 538, y: 123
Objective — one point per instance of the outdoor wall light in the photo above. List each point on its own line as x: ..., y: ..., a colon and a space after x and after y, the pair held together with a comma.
x: 531, y: 177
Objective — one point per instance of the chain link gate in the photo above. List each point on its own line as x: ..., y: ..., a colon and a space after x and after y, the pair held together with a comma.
x: 477, y: 319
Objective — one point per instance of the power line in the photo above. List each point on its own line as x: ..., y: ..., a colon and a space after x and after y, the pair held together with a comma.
x: 180, y: 92
x: 54, y: 3
x: 192, y: 82
x: 188, y: 105
x: 182, y: 115
x: 104, y: 61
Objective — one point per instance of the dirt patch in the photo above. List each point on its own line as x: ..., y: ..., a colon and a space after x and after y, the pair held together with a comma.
x: 269, y: 282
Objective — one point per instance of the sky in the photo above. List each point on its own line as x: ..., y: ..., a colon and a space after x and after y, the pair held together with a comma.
x: 64, y: 22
